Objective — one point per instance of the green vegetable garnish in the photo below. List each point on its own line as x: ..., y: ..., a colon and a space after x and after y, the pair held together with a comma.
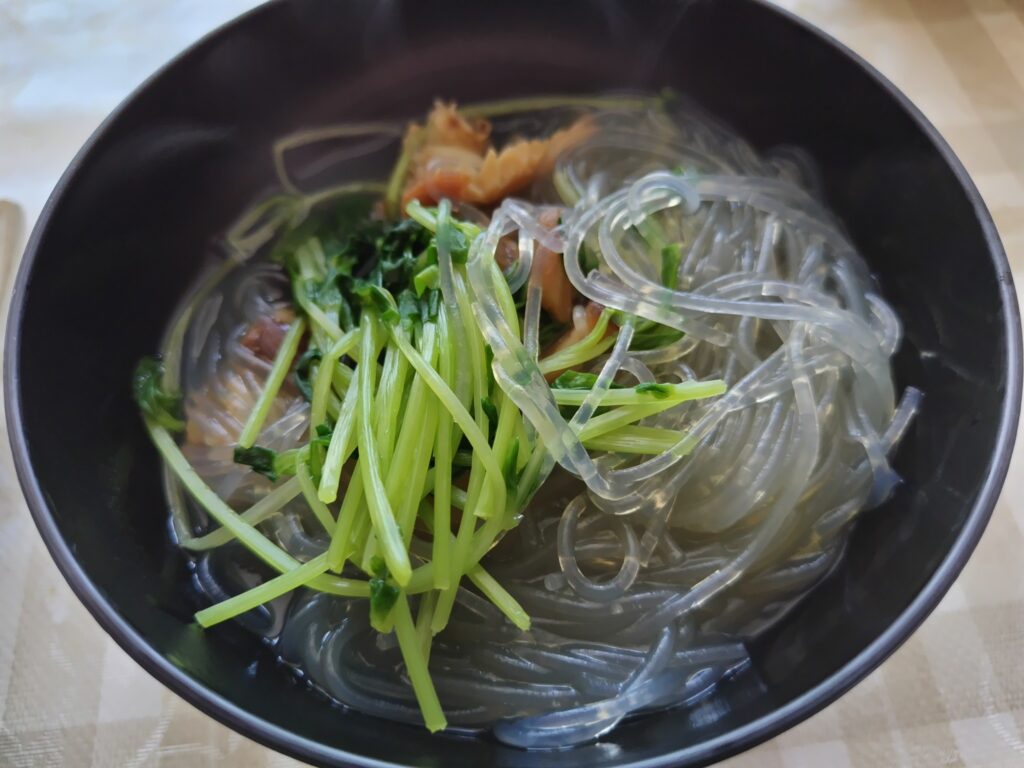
x: 489, y: 410
x: 303, y: 371
x: 260, y: 459
x: 161, y: 406
x: 660, y: 391
x: 509, y: 468
x: 416, y: 457
x: 579, y: 380
x: 671, y: 258
x: 383, y: 593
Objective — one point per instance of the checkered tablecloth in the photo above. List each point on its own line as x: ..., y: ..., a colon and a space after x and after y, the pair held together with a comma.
x: 952, y: 696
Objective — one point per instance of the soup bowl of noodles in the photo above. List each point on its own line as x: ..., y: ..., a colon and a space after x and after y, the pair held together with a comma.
x: 600, y: 385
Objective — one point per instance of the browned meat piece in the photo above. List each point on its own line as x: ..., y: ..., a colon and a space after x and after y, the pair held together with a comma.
x: 452, y: 158
x: 264, y: 336
x: 507, y: 252
x: 548, y: 271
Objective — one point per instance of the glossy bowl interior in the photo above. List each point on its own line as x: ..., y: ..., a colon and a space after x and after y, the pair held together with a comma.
x: 138, y: 213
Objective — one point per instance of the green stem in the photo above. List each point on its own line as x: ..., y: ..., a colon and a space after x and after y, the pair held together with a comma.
x: 282, y: 364
x: 270, y: 590
x: 341, y: 378
x: 342, y: 547
x: 643, y: 394
x: 443, y: 450
x: 230, y: 520
x: 334, y: 585
x: 487, y: 585
x: 318, y: 317
x: 269, y: 505
x: 590, y: 346
x: 423, y: 616
x: 385, y: 527
x: 638, y: 439
x: 341, y: 445
x: 416, y: 666
x: 325, y: 377
x: 415, y: 211
x: 483, y: 539
x: 502, y: 107
x: 460, y: 553
x: 623, y: 415
x: 498, y: 595
x: 413, y: 490
x: 506, y: 301
x: 477, y: 499
x: 323, y: 514
x: 407, y: 476
x: 388, y: 403
x: 461, y: 416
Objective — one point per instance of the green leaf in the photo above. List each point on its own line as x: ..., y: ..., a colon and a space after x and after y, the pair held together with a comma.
x: 331, y: 293
x: 432, y: 305
x: 332, y: 225
x: 377, y: 298
x: 383, y: 594
x: 398, y: 249
x: 261, y: 460
x: 450, y: 236
x: 317, y: 454
x: 159, y: 405
x: 269, y: 463
x: 653, y: 336
x: 426, y: 278
x: 489, y: 410
x: 304, y: 372
x: 578, y: 380
x: 459, y: 245
x: 508, y: 469
x: 323, y: 434
x: 429, y: 256
x: 659, y: 391
x: 357, y: 251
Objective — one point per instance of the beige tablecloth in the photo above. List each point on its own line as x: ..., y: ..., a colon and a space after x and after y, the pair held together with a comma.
x: 952, y: 696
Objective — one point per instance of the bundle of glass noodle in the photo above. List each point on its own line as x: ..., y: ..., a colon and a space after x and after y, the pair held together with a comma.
x: 567, y: 495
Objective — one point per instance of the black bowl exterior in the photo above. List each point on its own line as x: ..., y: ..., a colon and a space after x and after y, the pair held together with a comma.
x: 137, y: 216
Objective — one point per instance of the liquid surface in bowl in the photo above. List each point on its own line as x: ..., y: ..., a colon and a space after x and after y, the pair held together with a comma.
x: 537, y: 430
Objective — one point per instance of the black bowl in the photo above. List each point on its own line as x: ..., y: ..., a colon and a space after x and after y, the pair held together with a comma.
x: 133, y: 219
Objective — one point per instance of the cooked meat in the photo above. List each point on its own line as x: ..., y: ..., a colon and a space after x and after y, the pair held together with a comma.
x: 264, y: 336
x: 548, y: 271
x: 507, y: 252
x: 452, y: 158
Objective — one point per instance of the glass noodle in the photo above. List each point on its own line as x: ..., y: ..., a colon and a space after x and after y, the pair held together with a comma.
x: 554, y: 557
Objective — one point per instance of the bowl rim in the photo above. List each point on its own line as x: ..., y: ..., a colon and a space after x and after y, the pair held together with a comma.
x: 717, y: 748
